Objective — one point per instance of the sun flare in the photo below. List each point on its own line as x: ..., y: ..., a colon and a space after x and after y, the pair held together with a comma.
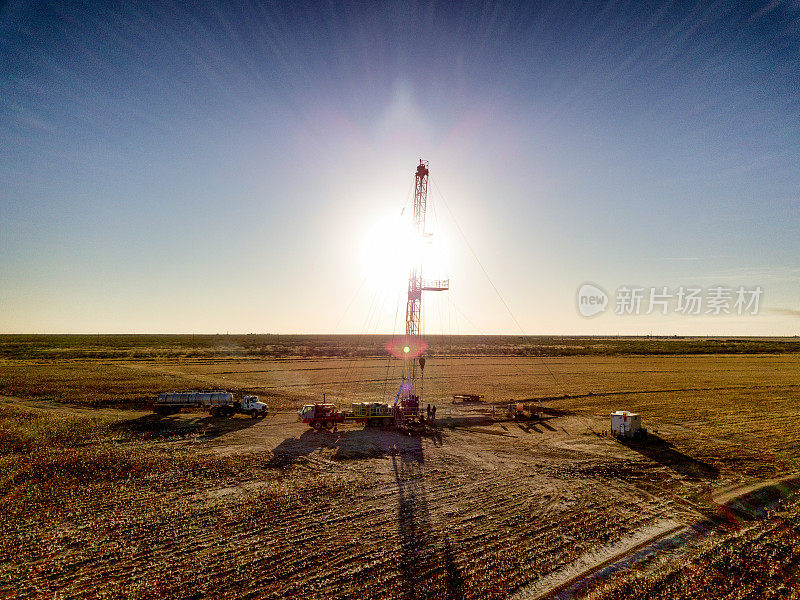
x: 390, y: 249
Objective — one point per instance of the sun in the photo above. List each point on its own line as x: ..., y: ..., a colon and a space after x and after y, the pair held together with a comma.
x: 390, y: 248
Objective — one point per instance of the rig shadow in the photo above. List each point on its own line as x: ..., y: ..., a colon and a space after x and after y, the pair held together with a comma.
x: 427, y: 562
x: 350, y: 444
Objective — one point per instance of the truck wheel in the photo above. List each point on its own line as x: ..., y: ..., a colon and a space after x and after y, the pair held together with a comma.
x: 315, y: 424
x: 254, y: 413
x: 328, y: 424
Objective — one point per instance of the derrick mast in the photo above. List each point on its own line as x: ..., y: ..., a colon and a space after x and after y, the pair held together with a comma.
x: 414, y: 303
x: 409, y: 395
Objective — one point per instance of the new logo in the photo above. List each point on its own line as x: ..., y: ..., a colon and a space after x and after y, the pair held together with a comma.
x: 591, y: 300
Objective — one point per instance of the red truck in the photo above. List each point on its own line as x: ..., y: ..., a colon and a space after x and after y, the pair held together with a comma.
x: 370, y: 414
x: 321, y: 416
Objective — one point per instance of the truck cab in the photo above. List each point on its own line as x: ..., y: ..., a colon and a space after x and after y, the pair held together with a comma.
x: 306, y: 413
x: 253, y: 406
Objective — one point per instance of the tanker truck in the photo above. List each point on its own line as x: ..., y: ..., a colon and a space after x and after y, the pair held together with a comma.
x: 218, y: 403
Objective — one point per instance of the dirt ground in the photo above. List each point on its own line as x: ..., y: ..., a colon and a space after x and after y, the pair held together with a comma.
x: 476, y: 508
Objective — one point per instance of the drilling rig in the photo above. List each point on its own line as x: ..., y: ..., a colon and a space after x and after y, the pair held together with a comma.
x: 407, y: 406
x: 406, y: 410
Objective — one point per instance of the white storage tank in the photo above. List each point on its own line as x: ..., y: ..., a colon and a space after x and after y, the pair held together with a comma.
x: 626, y: 424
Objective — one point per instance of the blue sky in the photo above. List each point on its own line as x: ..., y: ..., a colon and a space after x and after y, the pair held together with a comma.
x: 189, y: 167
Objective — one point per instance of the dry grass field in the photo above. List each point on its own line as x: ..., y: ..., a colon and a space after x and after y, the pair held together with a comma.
x: 104, y: 500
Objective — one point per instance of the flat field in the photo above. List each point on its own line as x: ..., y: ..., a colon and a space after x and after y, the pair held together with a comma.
x: 103, y: 499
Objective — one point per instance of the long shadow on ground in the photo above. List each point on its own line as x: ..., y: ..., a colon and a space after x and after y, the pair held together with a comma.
x: 663, y: 452
x: 427, y: 562
x: 537, y: 425
x: 156, y: 427
x: 349, y: 444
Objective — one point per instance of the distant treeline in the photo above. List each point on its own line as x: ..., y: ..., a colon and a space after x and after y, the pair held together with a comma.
x: 145, y: 347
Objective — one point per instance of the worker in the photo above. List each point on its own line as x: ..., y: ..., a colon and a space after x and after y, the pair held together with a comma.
x: 433, y: 412
x: 429, y: 410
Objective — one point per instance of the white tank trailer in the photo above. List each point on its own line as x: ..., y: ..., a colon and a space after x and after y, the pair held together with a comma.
x: 218, y: 403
